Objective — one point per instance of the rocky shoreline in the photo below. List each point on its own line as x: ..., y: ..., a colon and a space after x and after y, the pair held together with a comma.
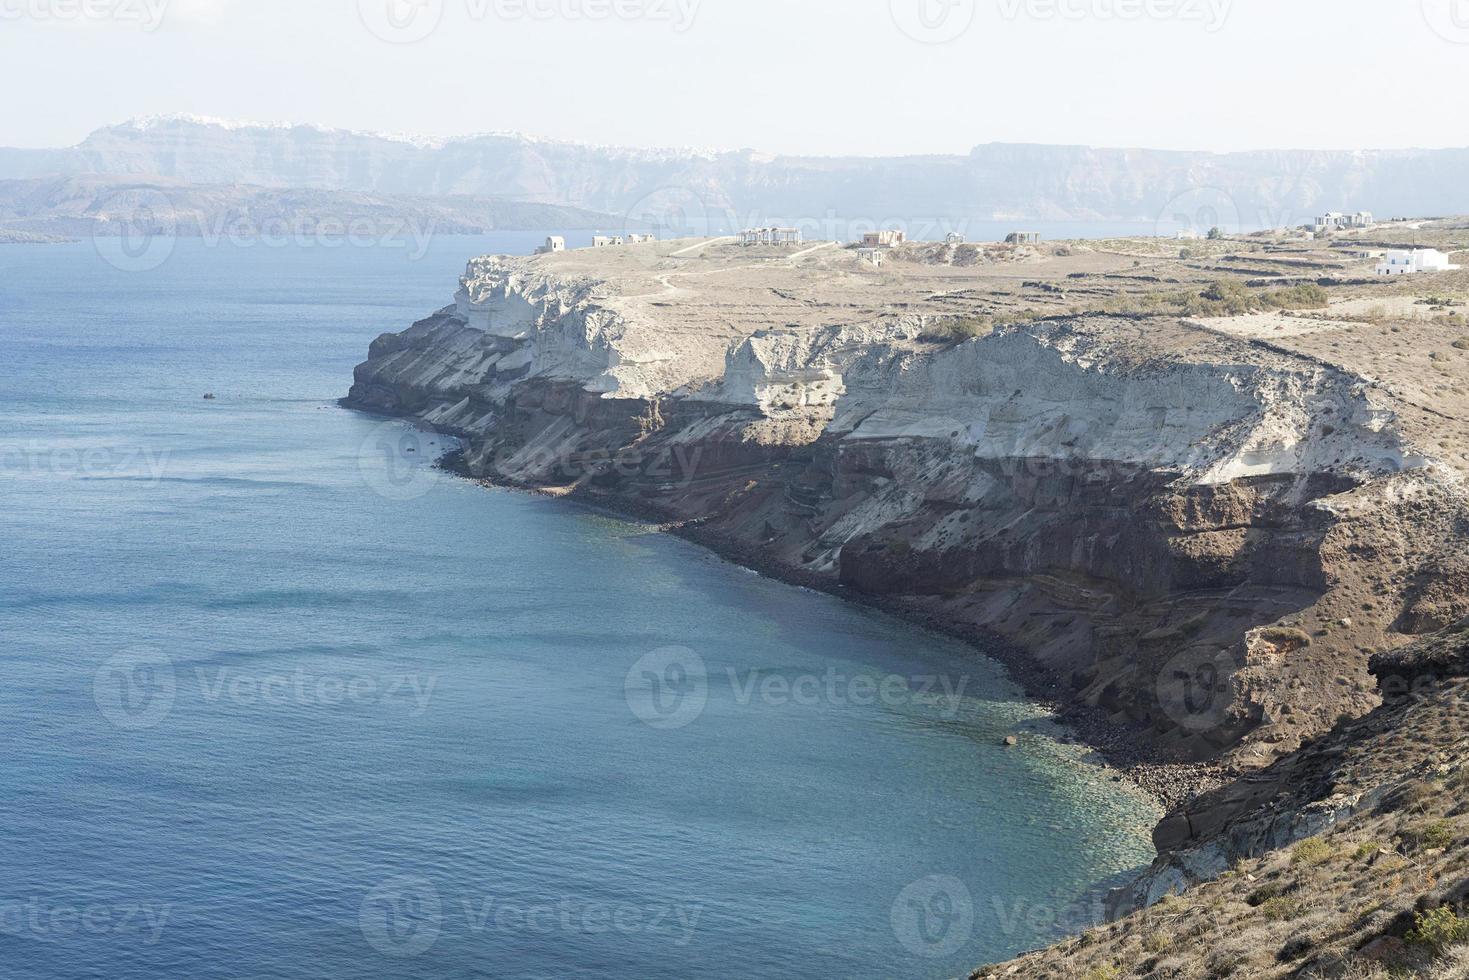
x: 1170, y: 784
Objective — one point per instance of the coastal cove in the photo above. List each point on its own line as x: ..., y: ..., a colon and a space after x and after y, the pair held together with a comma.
x: 283, y: 692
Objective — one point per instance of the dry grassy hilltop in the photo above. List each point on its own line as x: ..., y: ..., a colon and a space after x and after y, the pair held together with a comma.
x: 1185, y: 489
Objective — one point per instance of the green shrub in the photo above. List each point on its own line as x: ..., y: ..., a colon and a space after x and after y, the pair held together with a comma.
x: 1438, y: 929
x: 1307, y: 296
x: 1233, y: 295
x: 1262, y: 895
x: 1290, y: 636
x: 1312, y: 852
x: 1366, y: 849
x: 968, y: 327
x: 1435, y: 836
x: 971, y: 326
x: 1281, y: 909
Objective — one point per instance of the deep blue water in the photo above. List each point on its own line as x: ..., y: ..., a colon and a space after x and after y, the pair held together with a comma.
x: 281, y: 701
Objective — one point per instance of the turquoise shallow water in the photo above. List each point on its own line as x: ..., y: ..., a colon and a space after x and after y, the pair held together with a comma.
x: 281, y: 701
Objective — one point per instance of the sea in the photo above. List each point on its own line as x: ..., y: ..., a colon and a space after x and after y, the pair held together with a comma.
x: 281, y: 699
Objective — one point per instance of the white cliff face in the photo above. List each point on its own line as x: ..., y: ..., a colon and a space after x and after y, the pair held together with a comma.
x: 1052, y: 391
x: 567, y: 330
x: 777, y: 372
x: 1049, y: 390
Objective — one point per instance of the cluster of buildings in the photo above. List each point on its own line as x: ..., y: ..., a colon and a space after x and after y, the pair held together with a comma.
x: 1023, y: 238
x: 875, y: 242
x: 886, y: 238
x: 770, y: 236
x: 1336, y: 221
x: 556, y: 243
x: 1408, y: 262
x: 607, y: 241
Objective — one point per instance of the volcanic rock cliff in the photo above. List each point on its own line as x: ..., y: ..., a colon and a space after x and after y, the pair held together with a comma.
x: 1197, y: 536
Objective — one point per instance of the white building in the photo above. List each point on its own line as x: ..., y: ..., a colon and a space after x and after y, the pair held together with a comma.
x: 640, y: 239
x: 885, y: 238
x: 1336, y: 221
x: 606, y: 241
x: 1408, y: 263
x: 770, y: 236
x: 953, y: 238
x: 1023, y: 238
x: 553, y: 244
x: 871, y: 255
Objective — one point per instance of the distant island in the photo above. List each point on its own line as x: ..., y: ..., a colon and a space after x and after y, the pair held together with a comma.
x: 9, y: 237
x: 54, y: 209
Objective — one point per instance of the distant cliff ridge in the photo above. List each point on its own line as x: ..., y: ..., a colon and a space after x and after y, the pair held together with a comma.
x: 696, y: 191
x: 106, y: 206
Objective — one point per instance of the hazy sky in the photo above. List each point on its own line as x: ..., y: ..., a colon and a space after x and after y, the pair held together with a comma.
x: 801, y: 76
